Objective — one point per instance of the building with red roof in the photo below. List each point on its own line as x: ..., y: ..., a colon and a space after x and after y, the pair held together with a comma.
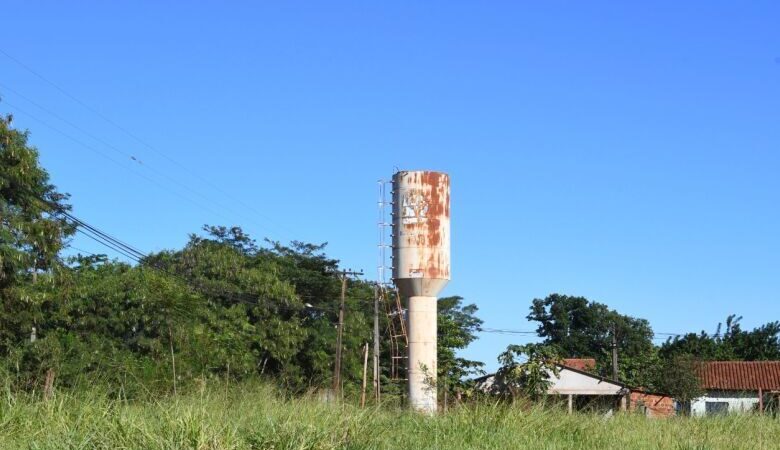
x: 584, y: 364
x: 736, y: 386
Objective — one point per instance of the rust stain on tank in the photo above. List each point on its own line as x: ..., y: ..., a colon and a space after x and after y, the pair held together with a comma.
x: 422, y: 233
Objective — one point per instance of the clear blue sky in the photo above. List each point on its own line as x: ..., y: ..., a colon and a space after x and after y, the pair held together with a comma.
x: 626, y: 153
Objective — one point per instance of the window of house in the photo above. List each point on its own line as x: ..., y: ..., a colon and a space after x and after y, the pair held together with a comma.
x: 716, y: 408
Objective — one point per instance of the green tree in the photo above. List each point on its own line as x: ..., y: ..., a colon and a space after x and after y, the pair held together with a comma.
x: 107, y: 321
x: 32, y: 232
x: 677, y: 377
x: 527, y: 370
x: 315, y: 277
x: 728, y: 343
x: 457, y: 328
x: 580, y: 328
x: 253, y: 313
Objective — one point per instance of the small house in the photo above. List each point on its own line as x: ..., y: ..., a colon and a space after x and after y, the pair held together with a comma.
x: 584, y: 390
x: 736, y: 387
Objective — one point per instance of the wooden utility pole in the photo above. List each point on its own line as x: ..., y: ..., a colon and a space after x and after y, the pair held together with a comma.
x: 48, y: 385
x: 365, y: 377
x: 173, y: 357
x: 614, y: 354
x: 337, y: 365
x: 445, y: 395
x: 377, y: 386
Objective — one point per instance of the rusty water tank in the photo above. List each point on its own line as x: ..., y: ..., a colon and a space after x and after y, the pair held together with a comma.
x: 421, y: 232
x: 421, y: 269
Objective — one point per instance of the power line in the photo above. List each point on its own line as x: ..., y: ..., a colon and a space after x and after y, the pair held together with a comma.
x: 86, y: 252
x: 656, y: 336
x: 68, y: 122
x: 140, y: 257
x: 504, y: 331
x: 132, y: 135
x: 99, y: 241
x: 137, y: 254
x: 238, y: 297
x: 125, y: 154
x: 102, y: 154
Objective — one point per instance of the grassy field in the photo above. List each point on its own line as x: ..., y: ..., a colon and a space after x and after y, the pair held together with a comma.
x: 254, y: 417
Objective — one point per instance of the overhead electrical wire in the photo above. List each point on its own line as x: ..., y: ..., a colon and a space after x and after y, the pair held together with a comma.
x: 125, y: 154
x: 141, y: 258
x: 139, y: 162
x: 99, y: 241
x: 128, y: 133
x: 656, y: 336
x: 135, y: 255
x: 82, y: 251
x: 116, y: 162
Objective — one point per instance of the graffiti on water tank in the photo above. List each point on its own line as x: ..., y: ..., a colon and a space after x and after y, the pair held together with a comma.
x: 414, y: 208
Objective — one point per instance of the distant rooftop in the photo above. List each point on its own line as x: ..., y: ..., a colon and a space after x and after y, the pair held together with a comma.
x: 740, y: 375
x: 584, y: 364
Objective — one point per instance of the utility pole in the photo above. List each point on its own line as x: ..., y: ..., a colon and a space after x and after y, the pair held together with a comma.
x: 365, y: 375
x: 337, y: 365
x: 614, y: 354
x: 377, y: 386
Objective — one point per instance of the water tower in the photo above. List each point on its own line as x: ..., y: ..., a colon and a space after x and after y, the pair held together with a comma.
x: 421, y: 269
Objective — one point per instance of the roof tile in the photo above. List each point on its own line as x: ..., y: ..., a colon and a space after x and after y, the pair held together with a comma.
x: 740, y: 375
x: 584, y: 364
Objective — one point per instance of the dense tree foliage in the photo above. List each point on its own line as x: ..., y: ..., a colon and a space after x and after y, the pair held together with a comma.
x: 215, y: 309
x: 458, y: 325
x: 31, y: 236
x: 676, y: 376
x: 31, y: 233
x: 579, y: 328
x: 731, y: 343
x: 112, y: 323
x: 526, y: 371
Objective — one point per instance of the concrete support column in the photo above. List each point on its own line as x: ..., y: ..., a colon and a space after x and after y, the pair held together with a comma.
x: 422, y: 353
x: 571, y: 403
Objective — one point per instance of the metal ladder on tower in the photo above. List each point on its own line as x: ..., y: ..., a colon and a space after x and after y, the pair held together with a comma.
x: 388, y: 294
x: 399, y: 340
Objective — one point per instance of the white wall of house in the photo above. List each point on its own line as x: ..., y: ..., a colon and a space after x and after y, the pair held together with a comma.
x: 571, y: 382
x: 734, y: 402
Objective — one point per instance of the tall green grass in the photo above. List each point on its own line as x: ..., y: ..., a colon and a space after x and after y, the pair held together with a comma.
x: 255, y: 416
